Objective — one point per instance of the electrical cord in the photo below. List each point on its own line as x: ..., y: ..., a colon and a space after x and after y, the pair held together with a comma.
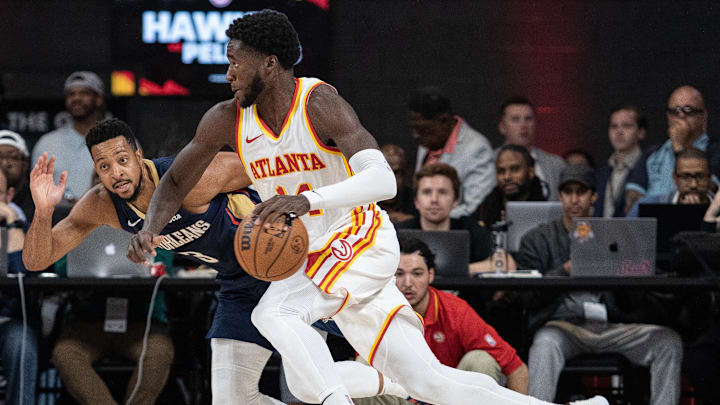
x: 145, y: 339
x: 21, y: 286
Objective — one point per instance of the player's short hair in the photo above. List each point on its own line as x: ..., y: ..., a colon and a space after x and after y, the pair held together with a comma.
x: 514, y: 100
x: 409, y: 245
x: 429, y: 102
x: 529, y: 161
x: 640, y: 119
x: 438, y: 169
x: 108, y: 129
x: 268, y: 32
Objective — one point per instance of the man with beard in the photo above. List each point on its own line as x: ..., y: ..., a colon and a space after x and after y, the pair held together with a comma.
x: 692, y: 180
x: 201, y: 230
x: 84, y: 100
x: 516, y: 181
x: 572, y: 323
x: 443, y: 136
x: 517, y: 126
x: 306, y: 152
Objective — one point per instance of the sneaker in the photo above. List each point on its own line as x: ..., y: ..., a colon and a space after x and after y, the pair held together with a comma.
x: 596, y: 400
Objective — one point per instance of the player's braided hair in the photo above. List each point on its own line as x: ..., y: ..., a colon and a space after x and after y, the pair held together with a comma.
x: 269, y: 32
x: 108, y: 129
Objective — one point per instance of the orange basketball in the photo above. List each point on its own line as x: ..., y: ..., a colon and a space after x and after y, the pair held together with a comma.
x: 271, y: 253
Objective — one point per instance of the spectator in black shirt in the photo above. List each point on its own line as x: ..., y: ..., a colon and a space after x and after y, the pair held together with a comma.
x: 437, y: 189
x: 516, y: 181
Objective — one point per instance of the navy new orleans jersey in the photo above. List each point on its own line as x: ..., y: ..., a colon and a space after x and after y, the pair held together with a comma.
x: 208, y: 238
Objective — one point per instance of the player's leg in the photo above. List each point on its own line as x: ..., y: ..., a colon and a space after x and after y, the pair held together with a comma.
x: 361, y: 380
x: 388, y: 334
x: 283, y: 316
x: 404, y: 355
x: 236, y: 370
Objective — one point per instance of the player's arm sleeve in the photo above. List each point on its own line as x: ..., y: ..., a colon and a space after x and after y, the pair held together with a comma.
x: 373, y: 181
x: 481, y: 336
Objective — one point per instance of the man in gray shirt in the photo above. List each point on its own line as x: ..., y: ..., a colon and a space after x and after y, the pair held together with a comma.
x: 85, y: 101
x: 589, y: 321
x: 444, y: 137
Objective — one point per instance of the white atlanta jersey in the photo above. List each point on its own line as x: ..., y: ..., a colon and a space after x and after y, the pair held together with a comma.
x: 296, y: 160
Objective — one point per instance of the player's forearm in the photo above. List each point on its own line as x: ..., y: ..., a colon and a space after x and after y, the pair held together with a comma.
x: 38, y: 246
x: 167, y: 200
x: 373, y: 181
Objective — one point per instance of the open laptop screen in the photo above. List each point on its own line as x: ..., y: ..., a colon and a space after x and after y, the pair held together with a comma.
x: 451, y: 250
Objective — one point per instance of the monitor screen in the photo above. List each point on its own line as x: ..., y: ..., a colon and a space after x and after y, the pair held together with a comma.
x: 177, y: 47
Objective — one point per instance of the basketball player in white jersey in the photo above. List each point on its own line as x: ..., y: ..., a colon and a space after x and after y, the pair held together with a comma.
x: 283, y: 129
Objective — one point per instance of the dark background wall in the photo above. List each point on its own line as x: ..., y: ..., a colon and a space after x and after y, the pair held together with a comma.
x: 574, y: 59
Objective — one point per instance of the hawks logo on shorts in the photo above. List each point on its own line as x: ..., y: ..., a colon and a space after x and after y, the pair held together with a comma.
x: 342, y: 250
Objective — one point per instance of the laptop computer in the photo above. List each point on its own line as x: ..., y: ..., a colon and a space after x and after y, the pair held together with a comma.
x: 526, y: 215
x: 672, y: 219
x: 451, y: 250
x: 612, y: 247
x: 104, y: 254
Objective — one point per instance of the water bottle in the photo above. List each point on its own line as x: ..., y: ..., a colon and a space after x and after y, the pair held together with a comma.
x: 500, y: 259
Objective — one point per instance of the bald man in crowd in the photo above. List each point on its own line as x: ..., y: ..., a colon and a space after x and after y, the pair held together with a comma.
x: 687, y: 127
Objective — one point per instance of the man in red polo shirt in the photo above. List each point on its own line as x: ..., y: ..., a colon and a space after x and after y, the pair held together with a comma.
x: 456, y: 334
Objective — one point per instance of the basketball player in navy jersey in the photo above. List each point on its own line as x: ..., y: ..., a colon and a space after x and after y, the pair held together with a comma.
x: 298, y: 136
x: 202, y: 229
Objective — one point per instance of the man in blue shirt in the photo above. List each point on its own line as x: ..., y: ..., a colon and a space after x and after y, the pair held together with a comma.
x: 687, y: 127
x: 691, y: 180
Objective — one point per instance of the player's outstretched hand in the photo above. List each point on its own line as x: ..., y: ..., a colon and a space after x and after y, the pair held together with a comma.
x: 142, y: 246
x: 45, y: 193
x: 271, y: 210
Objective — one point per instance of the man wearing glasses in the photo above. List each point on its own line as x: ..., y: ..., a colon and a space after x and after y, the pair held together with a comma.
x: 687, y: 127
x: 692, y: 181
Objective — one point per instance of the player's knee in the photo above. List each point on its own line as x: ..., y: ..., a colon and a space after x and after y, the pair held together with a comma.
x: 262, y: 317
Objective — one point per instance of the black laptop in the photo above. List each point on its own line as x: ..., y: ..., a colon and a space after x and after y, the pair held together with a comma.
x: 672, y: 219
x: 451, y: 250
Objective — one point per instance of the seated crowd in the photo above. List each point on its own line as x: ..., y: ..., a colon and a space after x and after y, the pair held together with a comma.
x: 459, y: 183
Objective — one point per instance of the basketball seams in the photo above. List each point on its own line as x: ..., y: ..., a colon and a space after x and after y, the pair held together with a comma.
x: 282, y: 248
x: 283, y: 252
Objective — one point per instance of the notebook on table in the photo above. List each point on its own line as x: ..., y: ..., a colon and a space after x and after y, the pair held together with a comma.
x: 451, y: 250
x: 526, y: 215
x: 612, y: 247
x: 104, y: 254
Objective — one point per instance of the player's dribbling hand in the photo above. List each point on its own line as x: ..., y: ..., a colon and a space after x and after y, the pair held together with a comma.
x: 272, y: 210
x: 45, y: 193
x: 142, y: 247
